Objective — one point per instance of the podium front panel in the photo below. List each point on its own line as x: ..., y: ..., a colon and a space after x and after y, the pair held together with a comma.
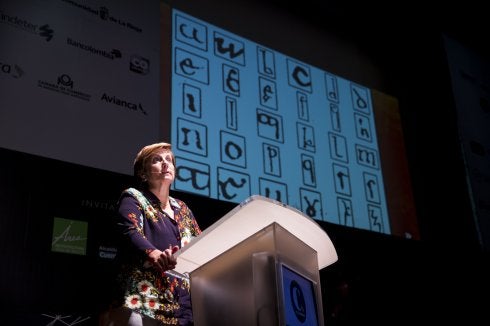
x: 244, y: 285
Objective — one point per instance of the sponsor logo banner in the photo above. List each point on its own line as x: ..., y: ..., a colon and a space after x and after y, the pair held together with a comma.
x: 69, y: 236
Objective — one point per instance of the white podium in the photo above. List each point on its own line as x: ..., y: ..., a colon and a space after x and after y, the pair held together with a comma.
x: 258, y: 265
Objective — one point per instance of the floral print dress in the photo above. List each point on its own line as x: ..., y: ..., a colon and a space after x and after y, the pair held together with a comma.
x: 144, y: 226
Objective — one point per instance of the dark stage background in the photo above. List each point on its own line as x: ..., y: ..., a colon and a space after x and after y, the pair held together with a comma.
x: 378, y: 278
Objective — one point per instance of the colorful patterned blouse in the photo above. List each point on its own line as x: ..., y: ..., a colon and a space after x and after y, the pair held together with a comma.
x: 144, y: 227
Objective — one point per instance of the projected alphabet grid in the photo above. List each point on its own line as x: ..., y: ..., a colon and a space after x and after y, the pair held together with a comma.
x: 248, y: 120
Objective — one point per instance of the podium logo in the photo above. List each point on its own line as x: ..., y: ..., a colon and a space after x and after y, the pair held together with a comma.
x: 69, y: 236
x: 298, y: 301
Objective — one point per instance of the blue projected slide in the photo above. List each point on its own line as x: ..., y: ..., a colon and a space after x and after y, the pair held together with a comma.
x: 249, y: 120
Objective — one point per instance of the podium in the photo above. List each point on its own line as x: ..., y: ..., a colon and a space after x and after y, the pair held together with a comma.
x: 258, y: 265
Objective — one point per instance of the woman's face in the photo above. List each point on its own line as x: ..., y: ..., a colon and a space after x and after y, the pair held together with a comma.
x: 160, y: 167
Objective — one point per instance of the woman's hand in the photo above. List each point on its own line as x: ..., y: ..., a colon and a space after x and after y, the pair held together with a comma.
x: 164, y: 260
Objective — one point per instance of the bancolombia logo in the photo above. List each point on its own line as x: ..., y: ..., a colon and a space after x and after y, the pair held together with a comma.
x: 103, y: 13
x: 64, y: 85
x: 122, y: 103
x: 14, y: 72
x: 110, y: 55
x: 44, y: 30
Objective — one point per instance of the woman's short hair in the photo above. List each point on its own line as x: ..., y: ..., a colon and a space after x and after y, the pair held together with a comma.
x: 144, y: 155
